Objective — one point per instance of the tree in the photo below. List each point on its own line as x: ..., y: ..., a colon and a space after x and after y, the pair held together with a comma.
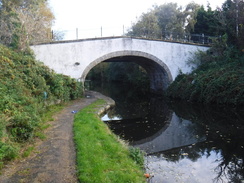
x: 147, y: 26
x: 209, y: 22
x: 29, y: 22
x: 36, y: 21
x: 170, y: 19
x: 8, y: 22
x: 190, y: 13
x: 233, y: 13
x: 167, y: 21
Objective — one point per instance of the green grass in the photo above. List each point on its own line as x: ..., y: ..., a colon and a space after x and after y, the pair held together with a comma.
x: 28, y: 151
x: 101, y: 157
x: 50, y: 111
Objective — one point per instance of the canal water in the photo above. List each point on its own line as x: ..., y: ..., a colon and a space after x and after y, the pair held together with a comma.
x: 185, y: 143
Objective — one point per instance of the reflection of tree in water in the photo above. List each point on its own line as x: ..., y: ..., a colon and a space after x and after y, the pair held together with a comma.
x: 224, y: 129
x: 232, y: 169
x: 231, y: 163
x: 128, y: 104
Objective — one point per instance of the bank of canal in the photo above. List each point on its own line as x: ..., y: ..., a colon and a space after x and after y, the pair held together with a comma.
x: 184, y: 142
x: 101, y: 155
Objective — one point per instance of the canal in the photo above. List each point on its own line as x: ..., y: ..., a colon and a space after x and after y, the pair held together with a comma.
x: 188, y: 143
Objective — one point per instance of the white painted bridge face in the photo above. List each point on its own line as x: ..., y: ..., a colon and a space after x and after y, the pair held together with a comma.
x: 162, y: 60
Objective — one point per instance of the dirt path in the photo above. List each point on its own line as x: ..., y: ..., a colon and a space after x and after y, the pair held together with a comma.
x: 53, y: 160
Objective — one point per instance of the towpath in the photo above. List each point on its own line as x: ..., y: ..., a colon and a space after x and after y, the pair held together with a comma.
x: 54, y: 159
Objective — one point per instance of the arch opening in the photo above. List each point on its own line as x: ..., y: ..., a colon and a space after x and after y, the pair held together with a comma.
x: 158, y: 72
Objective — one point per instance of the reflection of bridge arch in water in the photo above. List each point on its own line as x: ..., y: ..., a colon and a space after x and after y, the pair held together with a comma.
x: 178, y: 133
x: 155, y: 135
x: 146, y: 128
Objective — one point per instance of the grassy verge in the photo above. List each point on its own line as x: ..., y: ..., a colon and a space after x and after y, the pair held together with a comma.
x: 100, y: 155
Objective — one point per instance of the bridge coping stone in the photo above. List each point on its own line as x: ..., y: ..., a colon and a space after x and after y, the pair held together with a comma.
x: 125, y: 37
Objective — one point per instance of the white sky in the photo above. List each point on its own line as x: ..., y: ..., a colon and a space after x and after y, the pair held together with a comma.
x: 112, y: 15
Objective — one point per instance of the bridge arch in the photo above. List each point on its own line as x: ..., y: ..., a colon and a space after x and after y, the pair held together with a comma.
x: 159, y: 74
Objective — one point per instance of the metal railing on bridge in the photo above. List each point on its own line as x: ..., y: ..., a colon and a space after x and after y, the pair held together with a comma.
x: 75, y: 34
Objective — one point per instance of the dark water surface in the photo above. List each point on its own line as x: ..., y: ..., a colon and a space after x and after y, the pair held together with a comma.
x: 184, y: 142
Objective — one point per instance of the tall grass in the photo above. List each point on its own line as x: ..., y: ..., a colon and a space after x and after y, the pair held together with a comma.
x: 100, y: 155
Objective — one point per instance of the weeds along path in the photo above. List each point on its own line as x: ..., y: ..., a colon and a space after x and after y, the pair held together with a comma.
x: 54, y: 159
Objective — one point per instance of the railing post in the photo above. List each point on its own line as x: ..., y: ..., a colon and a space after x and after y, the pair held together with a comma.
x: 52, y: 36
x: 77, y: 33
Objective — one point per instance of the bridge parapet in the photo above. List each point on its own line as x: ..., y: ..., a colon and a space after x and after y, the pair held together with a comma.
x: 180, y: 41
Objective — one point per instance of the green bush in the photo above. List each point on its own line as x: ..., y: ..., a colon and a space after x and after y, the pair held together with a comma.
x: 218, y: 81
x: 7, y: 152
x: 22, y: 125
x: 27, y: 87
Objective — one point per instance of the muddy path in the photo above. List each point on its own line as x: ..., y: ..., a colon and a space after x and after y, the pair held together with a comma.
x: 54, y: 159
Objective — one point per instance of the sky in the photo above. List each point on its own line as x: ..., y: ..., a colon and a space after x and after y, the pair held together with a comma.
x: 96, y: 18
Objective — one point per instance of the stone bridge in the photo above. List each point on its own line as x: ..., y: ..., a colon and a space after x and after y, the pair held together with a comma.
x: 162, y: 60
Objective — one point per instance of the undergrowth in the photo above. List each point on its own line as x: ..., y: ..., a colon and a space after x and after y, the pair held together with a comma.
x: 100, y: 155
x: 219, y: 79
x: 27, y: 89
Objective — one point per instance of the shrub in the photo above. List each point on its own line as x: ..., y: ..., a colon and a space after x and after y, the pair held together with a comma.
x: 23, y: 82
x: 7, y: 152
x: 220, y: 81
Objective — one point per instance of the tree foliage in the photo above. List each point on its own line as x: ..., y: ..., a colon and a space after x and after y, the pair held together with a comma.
x: 208, y: 22
x: 147, y: 26
x: 233, y: 13
x: 228, y: 20
x: 165, y: 20
x: 170, y: 20
x: 123, y: 72
x: 25, y: 22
